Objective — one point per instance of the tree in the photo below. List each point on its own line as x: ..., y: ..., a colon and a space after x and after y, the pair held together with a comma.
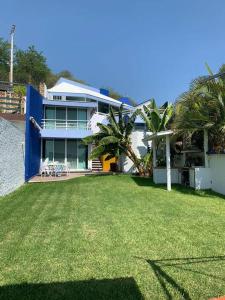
x: 114, y: 139
x: 157, y: 119
x: 4, y: 60
x: 116, y: 95
x: 30, y: 66
x: 203, y: 107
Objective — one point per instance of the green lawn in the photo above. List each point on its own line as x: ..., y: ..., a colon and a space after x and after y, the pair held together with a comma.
x: 111, y: 237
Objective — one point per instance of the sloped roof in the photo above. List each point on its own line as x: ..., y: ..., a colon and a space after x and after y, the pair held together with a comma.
x: 64, y: 85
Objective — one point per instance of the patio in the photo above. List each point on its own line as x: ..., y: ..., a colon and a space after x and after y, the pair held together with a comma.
x: 64, y: 176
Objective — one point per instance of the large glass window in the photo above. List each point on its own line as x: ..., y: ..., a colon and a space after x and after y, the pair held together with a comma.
x: 59, y: 150
x: 76, y: 152
x: 48, y: 149
x: 60, y: 117
x: 82, y: 118
x: 72, y: 153
x: 103, y: 107
x: 74, y: 98
x: 82, y: 155
x: 49, y: 117
x: 71, y: 117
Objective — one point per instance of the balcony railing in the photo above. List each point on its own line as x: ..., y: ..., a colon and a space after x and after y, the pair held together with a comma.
x: 65, y: 124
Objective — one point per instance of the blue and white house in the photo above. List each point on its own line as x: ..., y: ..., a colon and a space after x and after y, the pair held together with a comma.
x: 58, y: 121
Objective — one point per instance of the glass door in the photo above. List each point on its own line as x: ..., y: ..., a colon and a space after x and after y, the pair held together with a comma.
x: 82, y: 155
x: 72, y: 154
x: 48, y: 150
x: 59, y: 151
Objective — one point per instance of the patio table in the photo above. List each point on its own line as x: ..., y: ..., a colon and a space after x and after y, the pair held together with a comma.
x: 57, y: 168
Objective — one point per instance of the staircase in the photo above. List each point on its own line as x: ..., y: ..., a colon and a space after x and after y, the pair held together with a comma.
x: 96, y: 165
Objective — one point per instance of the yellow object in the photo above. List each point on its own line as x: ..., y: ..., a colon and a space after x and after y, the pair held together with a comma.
x: 106, y: 163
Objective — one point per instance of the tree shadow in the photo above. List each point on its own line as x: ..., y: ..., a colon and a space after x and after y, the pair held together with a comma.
x: 105, y: 289
x: 148, y: 182
x: 168, y: 283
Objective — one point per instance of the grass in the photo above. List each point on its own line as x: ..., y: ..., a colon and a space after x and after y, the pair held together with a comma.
x: 111, y: 237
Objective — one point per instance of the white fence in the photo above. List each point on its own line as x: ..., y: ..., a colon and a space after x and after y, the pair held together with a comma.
x: 217, y: 167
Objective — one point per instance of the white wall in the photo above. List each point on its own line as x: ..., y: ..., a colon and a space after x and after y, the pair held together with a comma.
x: 217, y: 166
x: 97, y: 118
x: 140, y: 148
x: 159, y: 175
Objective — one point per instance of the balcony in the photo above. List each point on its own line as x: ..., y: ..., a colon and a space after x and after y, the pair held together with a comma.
x: 57, y: 128
x: 65, y: 124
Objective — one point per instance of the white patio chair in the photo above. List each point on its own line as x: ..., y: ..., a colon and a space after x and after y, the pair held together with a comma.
x: 67, y: 168
x: 44, y: 169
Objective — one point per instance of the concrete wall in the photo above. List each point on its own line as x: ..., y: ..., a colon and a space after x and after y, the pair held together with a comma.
x: 217, y: 167
x: 159, y: 175
x: 140, y: 148
x: 12, y: 157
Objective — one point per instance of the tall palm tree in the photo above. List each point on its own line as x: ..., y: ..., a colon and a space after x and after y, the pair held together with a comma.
x: 114, y: 138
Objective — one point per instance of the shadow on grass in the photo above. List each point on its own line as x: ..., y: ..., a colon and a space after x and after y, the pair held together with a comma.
x: 168, y: 283
x: 148, y: 182
x: 105, y: 289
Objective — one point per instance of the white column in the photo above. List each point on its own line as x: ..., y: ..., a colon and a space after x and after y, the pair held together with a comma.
x: 168, y: 169
x: 154, y: 153
x: 206, y: 146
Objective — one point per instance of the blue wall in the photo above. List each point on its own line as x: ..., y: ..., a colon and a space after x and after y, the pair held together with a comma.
x: 34, y: 108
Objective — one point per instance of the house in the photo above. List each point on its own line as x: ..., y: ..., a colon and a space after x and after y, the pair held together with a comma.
x: 57, y: 123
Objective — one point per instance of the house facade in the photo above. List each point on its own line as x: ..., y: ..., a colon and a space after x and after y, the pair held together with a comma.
x: 68, y: 112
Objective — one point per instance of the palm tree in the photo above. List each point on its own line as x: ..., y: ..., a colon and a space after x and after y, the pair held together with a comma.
x: 156, y: 120
x: 114, y: 138
x: 202, y: 107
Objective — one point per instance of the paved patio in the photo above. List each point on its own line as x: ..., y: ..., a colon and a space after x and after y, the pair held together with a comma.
x: 64, y: 176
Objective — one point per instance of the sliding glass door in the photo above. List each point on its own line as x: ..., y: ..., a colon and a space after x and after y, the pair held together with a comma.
x: 59, y: 151
x: 70, y: 151
x: 82, y: 155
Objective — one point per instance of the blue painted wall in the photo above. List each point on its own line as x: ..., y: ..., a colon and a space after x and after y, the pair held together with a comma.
x: 34, y: 108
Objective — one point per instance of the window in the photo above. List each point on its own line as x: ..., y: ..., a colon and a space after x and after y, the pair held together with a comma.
x: 73, y: 98
x: 49, y: 117
x: 140, y: 126
x: 82, y: 118
x: 57, y: 97
x: 103, y: 107
x: 48, y: 149
x: 59, y: 150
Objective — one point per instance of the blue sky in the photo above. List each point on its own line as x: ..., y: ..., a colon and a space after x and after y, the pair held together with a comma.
x: 142, y: 48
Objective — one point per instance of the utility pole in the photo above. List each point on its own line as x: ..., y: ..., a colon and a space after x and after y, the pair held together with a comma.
x: 11, y: 55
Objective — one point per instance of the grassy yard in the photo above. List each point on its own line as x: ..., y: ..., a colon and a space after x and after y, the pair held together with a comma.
x: 111, y: 237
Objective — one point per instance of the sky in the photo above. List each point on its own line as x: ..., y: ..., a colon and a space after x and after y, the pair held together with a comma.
x: 141, y: 48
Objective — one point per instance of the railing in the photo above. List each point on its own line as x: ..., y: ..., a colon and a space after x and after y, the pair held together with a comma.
x: 65, y: 124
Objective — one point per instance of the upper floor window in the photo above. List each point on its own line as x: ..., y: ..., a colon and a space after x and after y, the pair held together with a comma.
x: 103, y: 107
x: 57, y: 97
x: 74, y: 98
